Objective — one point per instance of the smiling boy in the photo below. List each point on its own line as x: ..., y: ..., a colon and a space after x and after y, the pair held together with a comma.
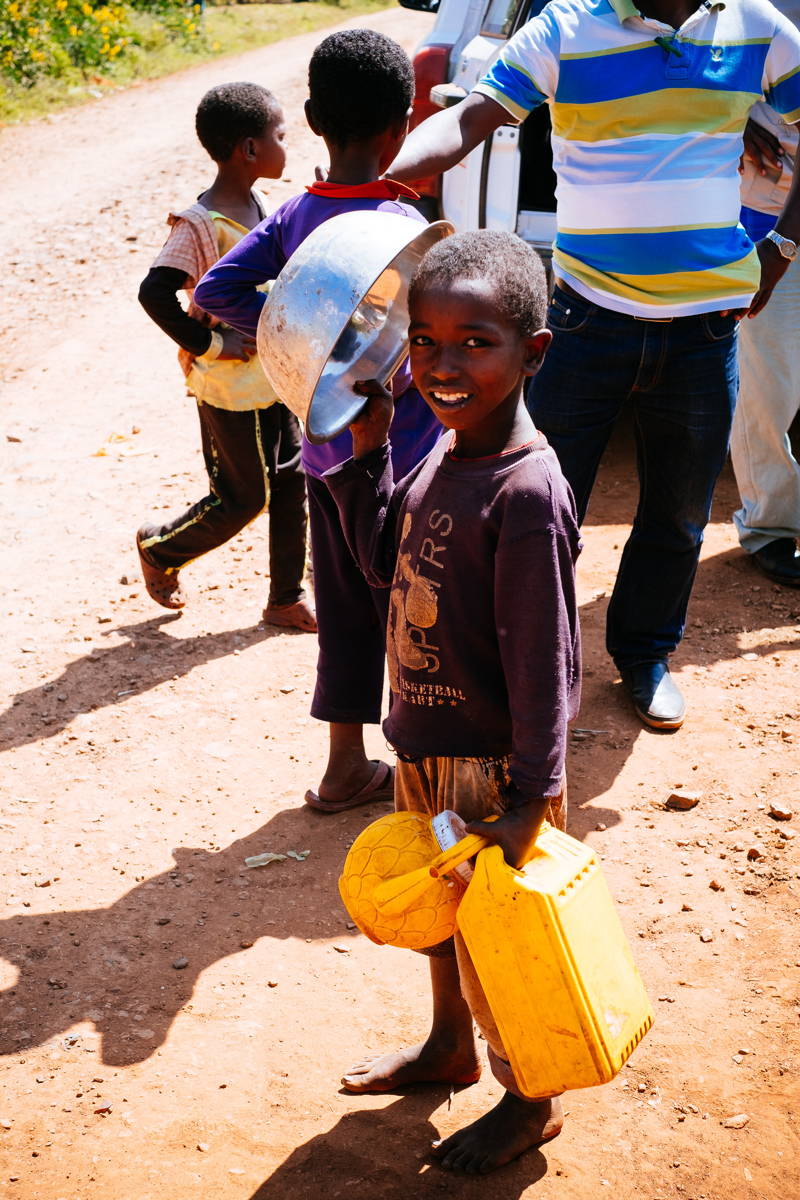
x: 478, y: 545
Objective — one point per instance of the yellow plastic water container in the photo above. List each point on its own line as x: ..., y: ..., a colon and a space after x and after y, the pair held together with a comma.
x: 546, y: 940
x: 555, y: 965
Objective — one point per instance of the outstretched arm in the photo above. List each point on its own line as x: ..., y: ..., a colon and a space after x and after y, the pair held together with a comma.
x: 446, y: 137
x: 230, y: 290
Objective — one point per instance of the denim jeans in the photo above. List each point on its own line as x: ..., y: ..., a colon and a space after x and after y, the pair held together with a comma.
x: 681, y: 377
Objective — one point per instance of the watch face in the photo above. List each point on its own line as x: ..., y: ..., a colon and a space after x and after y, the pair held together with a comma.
x: 786, y: 246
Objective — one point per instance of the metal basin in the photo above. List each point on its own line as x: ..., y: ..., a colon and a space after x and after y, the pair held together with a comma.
x: 338, y: 313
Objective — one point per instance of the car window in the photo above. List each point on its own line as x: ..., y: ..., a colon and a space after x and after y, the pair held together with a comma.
x: 500, y: 18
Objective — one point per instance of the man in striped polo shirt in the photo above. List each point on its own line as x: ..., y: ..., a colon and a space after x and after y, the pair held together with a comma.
x: 652, y: 268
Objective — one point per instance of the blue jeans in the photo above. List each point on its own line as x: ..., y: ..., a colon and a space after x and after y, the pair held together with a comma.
x: 681, y: 378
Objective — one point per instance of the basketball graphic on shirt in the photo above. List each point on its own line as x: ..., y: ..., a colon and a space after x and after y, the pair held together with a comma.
x: 422, y: 605
x: 392, y: 846
x: 414, y: 603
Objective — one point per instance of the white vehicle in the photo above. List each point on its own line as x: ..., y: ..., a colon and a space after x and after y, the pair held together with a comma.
x: 507, y: 183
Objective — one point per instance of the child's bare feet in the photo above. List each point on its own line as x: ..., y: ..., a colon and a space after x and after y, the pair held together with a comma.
x: 299, y: 615
x: 430, y: 1062
x: 508, y: 1130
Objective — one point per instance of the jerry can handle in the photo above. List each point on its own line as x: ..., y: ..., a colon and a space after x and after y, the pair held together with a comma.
x: 468, y: 847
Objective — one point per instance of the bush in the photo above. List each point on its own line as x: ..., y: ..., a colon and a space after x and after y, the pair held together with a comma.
x: 48, y: 37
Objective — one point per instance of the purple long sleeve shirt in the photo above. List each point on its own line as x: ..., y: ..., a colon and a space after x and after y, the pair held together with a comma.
x: 483, y: 642
x: 228, y: 291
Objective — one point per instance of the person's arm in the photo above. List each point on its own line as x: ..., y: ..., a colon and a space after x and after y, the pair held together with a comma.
x: 782, y: 73
x: 523, y: 76
x: 158, y: 296
x: 773, y: 263
x: 364, y: 490
x: 229, y: 290
x: 540, y: 650
x: 448, y: 136
x: 761, y: 148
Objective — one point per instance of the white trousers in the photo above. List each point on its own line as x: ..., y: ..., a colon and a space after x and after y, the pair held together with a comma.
x: 767, y: 472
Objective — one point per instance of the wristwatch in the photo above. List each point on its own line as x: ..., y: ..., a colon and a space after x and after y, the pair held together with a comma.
x: 787, y: 247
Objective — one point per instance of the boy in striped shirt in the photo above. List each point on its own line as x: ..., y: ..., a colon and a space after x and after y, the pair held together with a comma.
x: 652, y: 268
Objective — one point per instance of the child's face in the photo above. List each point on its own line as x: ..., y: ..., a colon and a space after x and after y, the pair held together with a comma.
x: 269, y: 149
x: 467, y: 359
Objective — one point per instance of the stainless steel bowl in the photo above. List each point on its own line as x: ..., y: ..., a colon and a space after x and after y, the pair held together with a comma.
x: 338, y: 313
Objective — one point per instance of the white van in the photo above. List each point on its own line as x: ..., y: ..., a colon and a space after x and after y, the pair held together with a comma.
x: 507, y: 183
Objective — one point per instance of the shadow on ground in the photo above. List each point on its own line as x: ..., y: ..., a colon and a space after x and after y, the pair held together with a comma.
x: 380, y: 1153
x: 149, y: 657
x: 114, y: 965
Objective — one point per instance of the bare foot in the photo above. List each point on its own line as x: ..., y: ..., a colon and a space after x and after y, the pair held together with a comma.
x: 426, y: 1063
x: 299, y: 615
x: 511, y: 1128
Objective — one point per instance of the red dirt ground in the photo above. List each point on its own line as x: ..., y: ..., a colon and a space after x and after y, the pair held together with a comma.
x: 146, y: 755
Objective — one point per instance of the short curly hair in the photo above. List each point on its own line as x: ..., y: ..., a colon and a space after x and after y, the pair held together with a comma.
x: 509, y: 264
x: 232, y: 111
x: 360, y: 84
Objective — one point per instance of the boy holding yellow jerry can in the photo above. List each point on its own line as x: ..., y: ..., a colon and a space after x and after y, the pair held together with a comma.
x: 478, y: 546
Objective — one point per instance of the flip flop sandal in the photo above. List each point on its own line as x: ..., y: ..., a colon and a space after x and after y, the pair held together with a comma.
x: 162, y: 586
x: 380, y: 787
x: 299, y: 615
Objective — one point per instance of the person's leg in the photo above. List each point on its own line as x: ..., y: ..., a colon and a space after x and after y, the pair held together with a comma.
x: 516, y: 1122
x: 684, y: 402
x: 351, y: 622
x: 448, y: 1054
x: 280, y: 440
x: 239, y: 488
x: 586, y: 376
x: 767, y: 472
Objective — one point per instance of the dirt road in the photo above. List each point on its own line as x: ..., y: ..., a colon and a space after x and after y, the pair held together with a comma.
x: 173, y: 1025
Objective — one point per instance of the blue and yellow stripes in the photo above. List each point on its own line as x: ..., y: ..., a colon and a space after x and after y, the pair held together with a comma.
x: 646, y: 142
x: 676, y: 111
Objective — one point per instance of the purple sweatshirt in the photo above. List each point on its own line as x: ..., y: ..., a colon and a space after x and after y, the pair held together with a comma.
x: 483, y: 641
x: 228, y: 291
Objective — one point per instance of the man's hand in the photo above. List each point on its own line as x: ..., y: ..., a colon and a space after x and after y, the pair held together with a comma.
x: 237, y: 345
x: 762, y: 149
x: 773, y: 268
x: 371, y: 426
x: 515, y: 832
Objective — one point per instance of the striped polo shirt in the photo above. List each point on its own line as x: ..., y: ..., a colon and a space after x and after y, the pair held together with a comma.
x: 647, y: 133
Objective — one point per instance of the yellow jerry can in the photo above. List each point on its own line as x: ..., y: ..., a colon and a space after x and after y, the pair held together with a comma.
x: 555, y: 965
x: 546, y: 941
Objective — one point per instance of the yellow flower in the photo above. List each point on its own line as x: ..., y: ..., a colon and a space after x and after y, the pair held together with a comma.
x: 32, y: 30
x: 104, y: 30
x: 61, y: 5
x: 72, y: 30
x: 115, y: 50
x: 86, y: 10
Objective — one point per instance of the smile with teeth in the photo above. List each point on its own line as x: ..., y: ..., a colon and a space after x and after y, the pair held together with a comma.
x: 450, y: 397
